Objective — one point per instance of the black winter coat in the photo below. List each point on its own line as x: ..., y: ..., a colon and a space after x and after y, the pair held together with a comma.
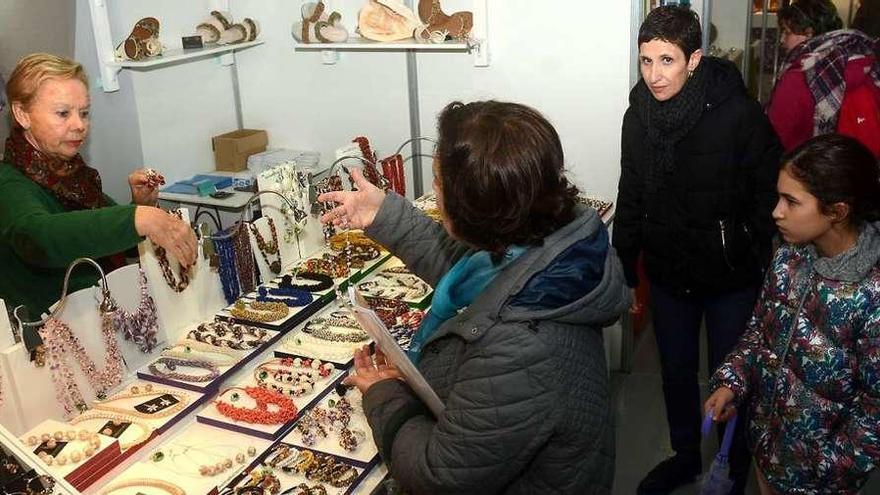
x: 708, y: 228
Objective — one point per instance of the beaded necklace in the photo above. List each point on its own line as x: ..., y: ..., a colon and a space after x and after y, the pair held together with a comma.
x: 223, y: 244
x: 395, y: 286
x: 285, y: 410
x: 163, y: 409
x: 244, y: 259
x: 60, y: 341
x: 323, y: 281
x: 323, y: 329
x: 170, y: 365
x: 289, y: 296
x: 165, y: 265
x: 387, y: 309
x: 191, y: 349
x: 267, y: 248
x: 294, y: 377
x: 142, y: 325
x: 264, y: 312
x: 325, y: 185
x: 340, y: 240
x: 224, y: 335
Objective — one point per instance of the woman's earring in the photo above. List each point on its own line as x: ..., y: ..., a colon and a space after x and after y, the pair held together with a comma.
x: 690, y: 74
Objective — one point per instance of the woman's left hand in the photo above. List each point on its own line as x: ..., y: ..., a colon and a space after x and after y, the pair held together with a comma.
x: 144, y: 191
x: 370, y: 369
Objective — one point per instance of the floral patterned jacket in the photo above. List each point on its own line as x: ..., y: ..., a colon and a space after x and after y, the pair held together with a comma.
x: 809, y: 367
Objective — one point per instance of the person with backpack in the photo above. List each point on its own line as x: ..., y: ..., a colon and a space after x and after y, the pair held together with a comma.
x: 808, y: 366
x: 829, y: 80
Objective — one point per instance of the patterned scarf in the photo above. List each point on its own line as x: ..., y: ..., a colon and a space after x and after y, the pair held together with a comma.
x: 668, y: 122
x: 823, y: 60
x: 76, y: 185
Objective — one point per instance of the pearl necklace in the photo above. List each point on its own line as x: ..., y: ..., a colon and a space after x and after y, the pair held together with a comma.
x: 60, y: 341
x: 146, y: 430
x: 168, y: 487
x: 148, y: 390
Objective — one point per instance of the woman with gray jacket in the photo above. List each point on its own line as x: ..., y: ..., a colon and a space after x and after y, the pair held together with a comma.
x: 524, y: 281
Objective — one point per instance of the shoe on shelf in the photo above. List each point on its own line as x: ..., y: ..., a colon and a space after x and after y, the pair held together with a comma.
x: 678, y: 470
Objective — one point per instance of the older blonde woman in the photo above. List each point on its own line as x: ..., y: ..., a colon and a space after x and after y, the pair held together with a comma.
x: 52, y: 208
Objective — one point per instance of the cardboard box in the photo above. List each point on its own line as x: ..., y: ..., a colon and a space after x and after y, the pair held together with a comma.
x: 231, y: 150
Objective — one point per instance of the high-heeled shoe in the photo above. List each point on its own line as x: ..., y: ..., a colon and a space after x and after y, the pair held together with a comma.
x: 457, y: 26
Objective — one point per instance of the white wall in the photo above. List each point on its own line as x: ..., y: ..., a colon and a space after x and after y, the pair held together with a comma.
x: 579, y: 78
x: 28, y: 26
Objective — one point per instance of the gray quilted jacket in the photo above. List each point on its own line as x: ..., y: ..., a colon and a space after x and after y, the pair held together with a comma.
x: 521, y: 370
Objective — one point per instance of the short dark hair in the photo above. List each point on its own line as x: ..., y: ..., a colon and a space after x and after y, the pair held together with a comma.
x: 818, y: 15
x: 838, y: 169
x: 502, y: 175
x: 673, y: 24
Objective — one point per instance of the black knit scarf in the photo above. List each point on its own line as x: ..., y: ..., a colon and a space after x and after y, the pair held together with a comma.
x: 668, y: 122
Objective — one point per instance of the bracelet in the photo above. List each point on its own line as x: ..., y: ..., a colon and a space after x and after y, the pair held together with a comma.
x: 171, y: 365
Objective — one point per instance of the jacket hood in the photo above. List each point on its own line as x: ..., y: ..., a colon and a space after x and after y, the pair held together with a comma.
x: 575, y: 277
x: 853, y: 264
x: 723, y: 80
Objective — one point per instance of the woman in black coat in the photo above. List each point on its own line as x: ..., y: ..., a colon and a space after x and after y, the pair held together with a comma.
x: 697, y: 186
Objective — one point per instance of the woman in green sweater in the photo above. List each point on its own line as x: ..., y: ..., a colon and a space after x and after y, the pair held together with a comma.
x: 52, y: 208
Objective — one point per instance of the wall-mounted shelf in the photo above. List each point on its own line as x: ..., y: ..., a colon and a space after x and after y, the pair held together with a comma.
x: 331, y: 51
x: 476, y: 46
x: 110, y: 67
x: 178, y: 54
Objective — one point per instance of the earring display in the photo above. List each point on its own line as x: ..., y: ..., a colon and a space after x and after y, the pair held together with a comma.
x: 56, y: 448
x: 60, y: 342
x: 226, y: 335
x: 270, y: 247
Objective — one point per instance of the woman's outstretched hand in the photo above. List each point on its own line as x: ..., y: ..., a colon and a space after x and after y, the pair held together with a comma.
x: 370, y: 369
x: 355, y: 209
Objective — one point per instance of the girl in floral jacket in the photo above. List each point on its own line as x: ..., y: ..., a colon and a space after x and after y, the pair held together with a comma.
x: 808, y: 366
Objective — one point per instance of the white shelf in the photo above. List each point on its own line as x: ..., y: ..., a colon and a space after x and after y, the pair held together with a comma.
x: 477, y: 46
x: 358, y: 43
x: 178, y: 54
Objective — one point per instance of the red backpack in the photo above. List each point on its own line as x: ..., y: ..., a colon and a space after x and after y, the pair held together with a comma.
x: 860, y: 116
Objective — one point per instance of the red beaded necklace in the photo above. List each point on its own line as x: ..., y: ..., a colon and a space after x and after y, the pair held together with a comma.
x: 286, y: 411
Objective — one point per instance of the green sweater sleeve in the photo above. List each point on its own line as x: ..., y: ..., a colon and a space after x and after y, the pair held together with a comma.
x: 43, y: 234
